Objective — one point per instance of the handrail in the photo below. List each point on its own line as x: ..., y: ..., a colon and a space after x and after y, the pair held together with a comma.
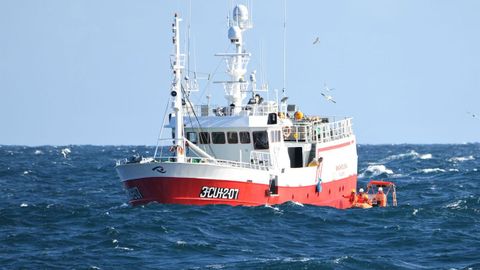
x: 194, y: 160
x: 318, y: 132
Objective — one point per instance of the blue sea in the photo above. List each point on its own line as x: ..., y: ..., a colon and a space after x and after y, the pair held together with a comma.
x: 63, y: 207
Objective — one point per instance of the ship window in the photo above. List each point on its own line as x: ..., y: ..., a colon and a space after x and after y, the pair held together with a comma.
x: 204, y: 138
x: 275, y: 135
x: 232, y: 137
x: 192, y: 136
x: 260, y: 140
x: 244, y: 137
x: 218, y: 137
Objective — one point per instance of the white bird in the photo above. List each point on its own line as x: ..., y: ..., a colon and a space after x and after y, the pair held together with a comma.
x: 317, y: 40
x: 473, y: 115
x: 328, y: 97
x: 326, y: 91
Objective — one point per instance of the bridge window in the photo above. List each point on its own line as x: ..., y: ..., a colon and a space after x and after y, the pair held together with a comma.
x: 204, y: 138
x: 260, y: 140
x: 192, y: 136
x: 218, y: 137
x: 232, y: 137
x: 244, y: 137
x: 275, y: 135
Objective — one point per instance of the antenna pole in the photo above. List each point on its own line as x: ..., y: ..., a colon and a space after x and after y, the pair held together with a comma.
x: 177, y: 93
x: 284, y: 47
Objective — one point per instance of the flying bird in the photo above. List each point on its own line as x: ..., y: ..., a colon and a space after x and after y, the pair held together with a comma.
x: 328, y: 97
x: 473, y: 115
x: 326, y: 91
x: 317, y: 40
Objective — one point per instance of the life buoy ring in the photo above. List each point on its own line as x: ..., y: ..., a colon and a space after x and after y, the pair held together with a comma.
x: 287, y: 131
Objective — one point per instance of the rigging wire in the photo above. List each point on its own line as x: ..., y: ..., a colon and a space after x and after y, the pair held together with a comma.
x: 161, y: 130
x: 200, y: 129
x: 284, y: 47
x: 210, y: 78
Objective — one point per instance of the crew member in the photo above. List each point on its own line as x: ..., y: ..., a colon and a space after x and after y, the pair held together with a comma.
x: 381, y: 198
x: 362, y: 197
x: 352, y: 198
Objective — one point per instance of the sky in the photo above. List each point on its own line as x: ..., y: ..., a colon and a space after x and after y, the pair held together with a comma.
x: 98, y: 71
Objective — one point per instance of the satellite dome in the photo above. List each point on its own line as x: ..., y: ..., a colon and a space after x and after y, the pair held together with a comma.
x: 235, y: 34
x: 240, y: 15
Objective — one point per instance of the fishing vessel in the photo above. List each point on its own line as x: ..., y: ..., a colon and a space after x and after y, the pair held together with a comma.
x: 250, y: 151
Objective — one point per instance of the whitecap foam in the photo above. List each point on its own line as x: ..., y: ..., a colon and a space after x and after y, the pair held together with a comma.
x: 296, y: 203
x: 24, y: 205
x: 65, y: 152
x: 455, y: 204
x: 181, y: 243
x: 415, y: 211
x: 274, y: 208
x: 431, y: 170
x: 215, y: 266
x: 426, y: 156
x: 339, y: 260
x: 114, y: 241
x: 376, y: 170
x: 124, y: 248
x: 410, y: 153
x: 38, y: 152
x: 461, y: 159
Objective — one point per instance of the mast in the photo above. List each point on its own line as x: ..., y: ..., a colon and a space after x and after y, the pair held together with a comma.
x: 177, y: 94
x: 236, y: 86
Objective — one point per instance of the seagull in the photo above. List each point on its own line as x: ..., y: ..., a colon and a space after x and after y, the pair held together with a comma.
x: 326, y: 92
x: 317, y: 40
x: 326, y: 88
x: 328, y: 97
x: 473, y: 115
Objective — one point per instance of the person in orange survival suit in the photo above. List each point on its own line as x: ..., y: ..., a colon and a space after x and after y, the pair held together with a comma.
x: 352, y: 198
x: 381, y: 198
x: 362, y: 197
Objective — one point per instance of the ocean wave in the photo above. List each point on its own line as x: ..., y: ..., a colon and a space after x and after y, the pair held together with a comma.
x: 275, y: 209
x: 431, y: 170
x: 295, y: 203
x: 425, y: 156
x: 461, y: 159
x: 459, y: 204
x: 410, y: 154
x: 65, y: 152
x: 376, y: 170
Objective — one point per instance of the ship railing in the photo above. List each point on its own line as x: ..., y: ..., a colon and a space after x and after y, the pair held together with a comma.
x: 319, y: 132
x: 258, y: 163
x: 261, y: 160
x: 251, y: 110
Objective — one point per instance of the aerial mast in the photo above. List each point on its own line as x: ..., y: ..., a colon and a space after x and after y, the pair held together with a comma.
x: 177, y: 106
x: 236, y: 86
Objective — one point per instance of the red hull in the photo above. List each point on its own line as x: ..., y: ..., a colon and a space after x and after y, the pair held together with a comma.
x: 189, y: 191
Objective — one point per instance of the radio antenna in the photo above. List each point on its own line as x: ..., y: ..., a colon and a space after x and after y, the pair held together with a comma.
x: 284, y: 47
